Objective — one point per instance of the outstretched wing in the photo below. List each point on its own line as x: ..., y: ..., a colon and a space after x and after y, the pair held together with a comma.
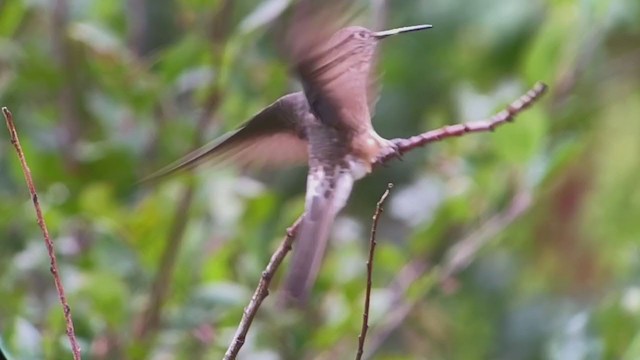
x: 273, y: 137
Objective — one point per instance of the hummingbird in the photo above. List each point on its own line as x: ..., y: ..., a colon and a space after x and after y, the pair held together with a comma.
x: 328, y: 125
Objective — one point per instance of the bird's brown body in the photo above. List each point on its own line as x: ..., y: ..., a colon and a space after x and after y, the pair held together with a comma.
x: 329, y: 125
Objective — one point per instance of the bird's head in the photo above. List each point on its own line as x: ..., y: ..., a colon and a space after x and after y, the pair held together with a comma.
x: 360, y: 40
x: 362, y: 34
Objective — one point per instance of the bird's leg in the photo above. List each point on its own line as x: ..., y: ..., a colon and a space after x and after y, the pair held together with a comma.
x: 394, y: 149
x: 383, y: 148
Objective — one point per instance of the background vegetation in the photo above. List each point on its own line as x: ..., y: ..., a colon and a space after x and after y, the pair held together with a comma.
x: 105, y: 91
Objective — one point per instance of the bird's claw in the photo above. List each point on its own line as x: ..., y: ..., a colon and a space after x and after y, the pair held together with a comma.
x: 395, y: 150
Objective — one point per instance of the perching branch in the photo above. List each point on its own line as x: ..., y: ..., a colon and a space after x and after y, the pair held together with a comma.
x: 262, y: 291
x: 75, y: 348
x: 507, y: 115
x: 372, y: 248
x: 402, y: 146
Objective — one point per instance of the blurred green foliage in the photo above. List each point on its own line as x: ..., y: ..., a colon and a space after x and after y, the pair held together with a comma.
x: 104, y: 92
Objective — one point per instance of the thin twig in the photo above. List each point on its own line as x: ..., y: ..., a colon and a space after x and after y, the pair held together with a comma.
x: 75, y: 348
x: 372, y: 248
x: 507, y: 115
x: 405, y: 278
x: 262, y: 291
x: 402, y: 146
x: 455, y: 260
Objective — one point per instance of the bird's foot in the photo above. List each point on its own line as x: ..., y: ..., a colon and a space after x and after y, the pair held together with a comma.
x: 395, y: 150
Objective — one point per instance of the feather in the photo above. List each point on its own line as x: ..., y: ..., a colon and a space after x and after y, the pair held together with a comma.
x: 273, y: 137
x: 328, y: 190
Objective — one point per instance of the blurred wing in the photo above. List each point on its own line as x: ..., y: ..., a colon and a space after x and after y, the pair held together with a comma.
x: 327, y: 193
x: 312, y: 25
x: 333, y: 63
x: 274, y: 137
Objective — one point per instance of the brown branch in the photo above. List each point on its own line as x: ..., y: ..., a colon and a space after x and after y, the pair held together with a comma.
x: 402, y: 146
x: 405, y: 278
x: 455, y: 260
x: 507, y: 115
x: 75, y: 348
x: 262, y: 291
x: 372, y: 248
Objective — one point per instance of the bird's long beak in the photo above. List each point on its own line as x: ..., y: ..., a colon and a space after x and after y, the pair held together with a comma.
x: 400, y: 30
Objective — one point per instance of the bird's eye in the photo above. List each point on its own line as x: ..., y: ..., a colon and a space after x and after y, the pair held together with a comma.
x: 361, y: 35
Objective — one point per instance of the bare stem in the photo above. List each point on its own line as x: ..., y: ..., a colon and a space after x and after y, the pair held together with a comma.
x: 75, y: 348
x: 505, y: 116
x: 262, y: 291
x: 372, y: 248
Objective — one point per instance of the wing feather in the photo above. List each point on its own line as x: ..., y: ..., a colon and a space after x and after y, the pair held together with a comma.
x: 334, y: 64
x: 273, y: 137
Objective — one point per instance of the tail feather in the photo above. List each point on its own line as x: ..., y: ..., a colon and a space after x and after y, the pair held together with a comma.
x: 327, y: 194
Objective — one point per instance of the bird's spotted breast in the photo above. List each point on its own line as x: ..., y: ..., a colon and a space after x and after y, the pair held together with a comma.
x: 357, y: 167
